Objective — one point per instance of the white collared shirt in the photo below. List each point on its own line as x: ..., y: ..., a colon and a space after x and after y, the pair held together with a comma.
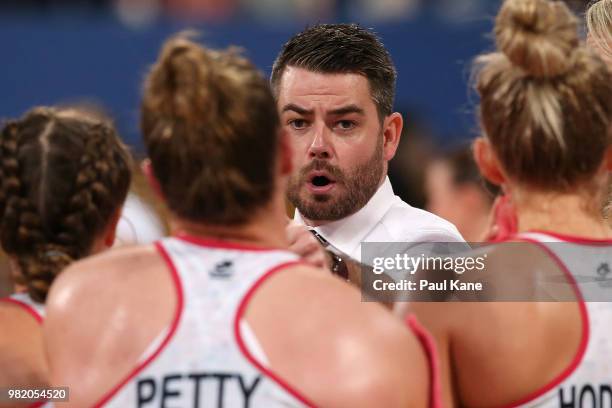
x: 385, y: 218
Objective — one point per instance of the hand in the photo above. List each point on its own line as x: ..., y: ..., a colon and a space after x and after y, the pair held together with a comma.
x: 303, y: 243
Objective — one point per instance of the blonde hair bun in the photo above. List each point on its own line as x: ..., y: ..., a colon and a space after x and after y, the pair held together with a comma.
x: 539, y: 36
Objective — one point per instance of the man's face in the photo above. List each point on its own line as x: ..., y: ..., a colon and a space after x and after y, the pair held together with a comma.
x: 337, y: 142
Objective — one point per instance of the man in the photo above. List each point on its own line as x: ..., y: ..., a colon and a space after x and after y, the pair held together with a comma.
x: 335, y: 86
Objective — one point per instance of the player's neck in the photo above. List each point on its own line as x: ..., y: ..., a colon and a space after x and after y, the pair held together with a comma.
x: 266, y: 228
x: 565, y: 213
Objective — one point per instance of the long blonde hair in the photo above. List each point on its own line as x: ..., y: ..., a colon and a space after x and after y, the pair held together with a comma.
x: 599, y: 25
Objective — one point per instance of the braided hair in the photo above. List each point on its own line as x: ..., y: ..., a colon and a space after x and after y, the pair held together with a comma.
x: 63, y: 174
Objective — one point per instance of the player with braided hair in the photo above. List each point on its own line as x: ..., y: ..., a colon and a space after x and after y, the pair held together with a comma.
x: 65, y: 175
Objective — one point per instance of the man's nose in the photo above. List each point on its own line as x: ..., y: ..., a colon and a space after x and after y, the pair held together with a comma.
x: 320, y: 148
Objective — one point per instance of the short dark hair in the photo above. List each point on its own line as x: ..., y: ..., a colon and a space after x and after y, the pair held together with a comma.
x: 341, y: 48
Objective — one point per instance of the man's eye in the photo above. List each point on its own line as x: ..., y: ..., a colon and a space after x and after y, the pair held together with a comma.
x: 345, y: 124
x: 298, y: 124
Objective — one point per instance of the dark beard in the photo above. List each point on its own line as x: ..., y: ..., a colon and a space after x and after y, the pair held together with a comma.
x: 359, y: 186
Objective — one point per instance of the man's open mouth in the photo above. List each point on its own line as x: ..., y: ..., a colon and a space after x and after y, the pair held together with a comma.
x: 320, y: 183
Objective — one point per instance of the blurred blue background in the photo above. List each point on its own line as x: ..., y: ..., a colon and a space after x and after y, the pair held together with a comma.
x: 98, y: 51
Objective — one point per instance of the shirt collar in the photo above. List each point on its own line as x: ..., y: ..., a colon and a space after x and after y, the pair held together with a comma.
x: 348, y: 233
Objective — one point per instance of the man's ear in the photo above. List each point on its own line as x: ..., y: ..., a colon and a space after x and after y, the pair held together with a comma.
x: 392, y: 132
x: 487, y: 162
x: 147, y: 170
x: 285, y: 153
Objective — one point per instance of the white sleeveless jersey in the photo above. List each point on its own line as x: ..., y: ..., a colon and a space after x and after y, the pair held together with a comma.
x: 208, y: 356
x: 587, y: 381
x: 23, y: 300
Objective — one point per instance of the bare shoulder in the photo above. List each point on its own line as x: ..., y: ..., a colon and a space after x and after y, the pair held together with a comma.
x: 477, y: 332
x: 105, y: 279
x: 125, y: 262
x: 509, y: 278
x: 315, y: 329
x: 106, y: 284
x: 22, y: 360
x: 95, y: 305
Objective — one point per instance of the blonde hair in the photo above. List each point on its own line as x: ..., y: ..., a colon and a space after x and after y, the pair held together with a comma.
x: 599, y: 25
x: 546, y: 100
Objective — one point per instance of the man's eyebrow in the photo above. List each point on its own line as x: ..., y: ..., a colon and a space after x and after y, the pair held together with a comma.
x: 297, y: 109
x: 347, y: 109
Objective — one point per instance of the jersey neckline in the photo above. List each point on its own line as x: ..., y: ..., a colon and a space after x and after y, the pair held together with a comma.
x: 572, y: 238
x: 24, y: 306
x: 223, y: 244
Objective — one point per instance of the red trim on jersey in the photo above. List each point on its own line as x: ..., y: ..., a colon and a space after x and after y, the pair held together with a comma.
x: 222, y: 244
x: 585, y: 331
x: 571, y: 238
x: 25, y: 306
x: 241, y: 309
x: 174, y: 325
x: 38, y: 319
x: 429, y: 345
